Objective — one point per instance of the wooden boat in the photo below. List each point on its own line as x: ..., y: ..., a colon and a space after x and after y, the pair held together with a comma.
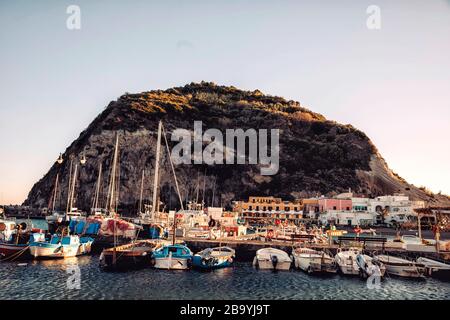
x: 214, y: 258
x: 172, y: 257
x: 346, y: 261
x: 401, y: 267
x: 18, y: 249
x: 435, y: 269
x: 61, y: 247
x: 133, y: 255
x: 313, y: 261
x: 272, y: 259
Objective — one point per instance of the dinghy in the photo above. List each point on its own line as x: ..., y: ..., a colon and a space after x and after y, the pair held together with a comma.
x: 313, y: 261
x: 214, y: 258
x: 61, y: 247
x: 401, y: 267
x: 435, y: 269
x: 172, y: 257
x: 272, y: 259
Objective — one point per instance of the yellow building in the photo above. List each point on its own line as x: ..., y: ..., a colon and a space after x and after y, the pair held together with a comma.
x: 269, y: 208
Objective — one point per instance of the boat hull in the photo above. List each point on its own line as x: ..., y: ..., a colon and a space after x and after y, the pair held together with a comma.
x: 172, y: 263
x: 14, y: 251
x: 54, y: 251
x: 404, y: 271
x: 314, y: 264
x: 269, y: 265
x: 198, y: 263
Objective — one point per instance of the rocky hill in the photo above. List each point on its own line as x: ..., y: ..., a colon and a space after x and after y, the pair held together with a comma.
x: 317, y: 156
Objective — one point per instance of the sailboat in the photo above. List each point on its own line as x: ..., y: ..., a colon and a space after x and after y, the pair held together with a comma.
x: 175, y: 256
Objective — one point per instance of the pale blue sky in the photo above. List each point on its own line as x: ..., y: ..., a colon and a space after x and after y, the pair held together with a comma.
x: 393, y: 83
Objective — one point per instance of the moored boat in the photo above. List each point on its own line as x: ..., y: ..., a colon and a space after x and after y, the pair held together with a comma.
x: 214, y: 258
x: 272, y: 259
x: 369, y: 266
x: 172, y: 257
x: 61, y: 247
x: 401, y: 267
x: 133, y: 255
x: 346, y: 261
x: 435, y: 269
x: 313, y: 261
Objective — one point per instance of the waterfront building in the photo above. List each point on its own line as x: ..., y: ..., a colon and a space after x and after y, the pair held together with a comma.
x: 269, y: 209
x: 394, y: 209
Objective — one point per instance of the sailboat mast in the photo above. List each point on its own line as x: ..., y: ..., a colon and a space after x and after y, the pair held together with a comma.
x: 97, y: 189
x: 68, y: 187
x: 72, y: 191
x: 156, y: 176
x: 142, y: 191
x: 55, y: 193
x: 112, y: 188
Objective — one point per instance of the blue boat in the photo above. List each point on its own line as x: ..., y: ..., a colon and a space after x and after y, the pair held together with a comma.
x: 61, y: 247
x: 172, y: 257
x: 214, y: 258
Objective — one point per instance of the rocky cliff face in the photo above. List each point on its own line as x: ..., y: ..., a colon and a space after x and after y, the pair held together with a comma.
x: 317, y: 156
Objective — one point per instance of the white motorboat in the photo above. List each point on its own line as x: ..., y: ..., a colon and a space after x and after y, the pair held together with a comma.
x: 369, y: 266
x: 346, y: 261
x: 313, y: 261
x: 435, y: 269
x: 401, y: 267
x: 272, y: 259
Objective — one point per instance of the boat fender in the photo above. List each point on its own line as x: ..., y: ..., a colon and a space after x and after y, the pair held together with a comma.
x: 230, y: 260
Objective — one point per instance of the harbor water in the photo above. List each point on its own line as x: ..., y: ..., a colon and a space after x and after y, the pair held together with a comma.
x: 54, y: 279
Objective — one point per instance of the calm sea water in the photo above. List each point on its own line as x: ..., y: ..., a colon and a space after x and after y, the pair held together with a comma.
x: 48, y: 280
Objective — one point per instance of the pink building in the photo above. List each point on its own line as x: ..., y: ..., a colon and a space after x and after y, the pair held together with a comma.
x: 328, y: 204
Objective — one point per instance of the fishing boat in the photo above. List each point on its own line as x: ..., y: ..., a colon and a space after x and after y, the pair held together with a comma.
x: 214, y: 258
x: 313, y: 261
x: 346, y: 261
x: 369, y: 266
x: 172, y: 257
x: 401, y: 267
x: 134, y: 255
x: 61, y: 247
x: 272, y: 259
x: 435, y: 269
x: 14, y: 243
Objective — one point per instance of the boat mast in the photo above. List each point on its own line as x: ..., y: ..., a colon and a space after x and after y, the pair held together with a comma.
x: 112, y: 183
x: 68, y: 188
x: 72, y: 192
x: 55, y: 193
x: 155, y: 181
x: 142, y: 191
x: 97, y: 188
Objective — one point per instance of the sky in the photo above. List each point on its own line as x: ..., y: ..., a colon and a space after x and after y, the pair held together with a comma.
x: 393, y: 83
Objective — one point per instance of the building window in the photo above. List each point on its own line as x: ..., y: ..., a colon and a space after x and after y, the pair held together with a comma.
x: 348, y: 208
x: 287, y: 209
x: 277, y: 209
x: 334, y: 208
x: 250, y: 208
x: 270, y: 208
x: 257, y: 208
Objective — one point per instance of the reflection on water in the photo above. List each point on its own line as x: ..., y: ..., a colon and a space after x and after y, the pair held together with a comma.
x: 48, y: 280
